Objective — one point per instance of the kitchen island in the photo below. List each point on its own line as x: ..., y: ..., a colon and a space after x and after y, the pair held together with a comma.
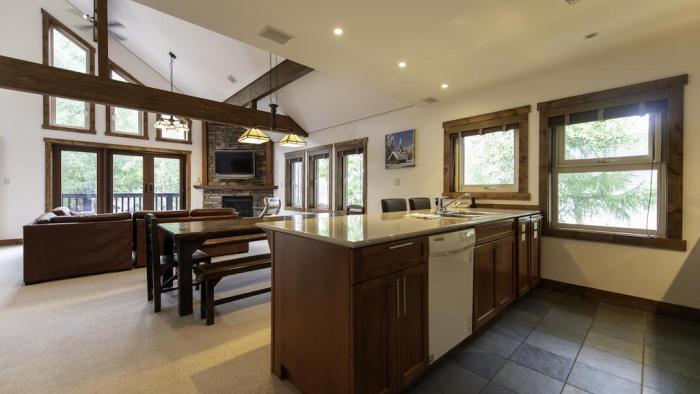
x: 350, y: 295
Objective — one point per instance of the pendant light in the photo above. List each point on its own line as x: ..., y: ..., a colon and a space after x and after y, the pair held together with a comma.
x: 254, y: 135
x: 292, y: 140
x: 170, y: 123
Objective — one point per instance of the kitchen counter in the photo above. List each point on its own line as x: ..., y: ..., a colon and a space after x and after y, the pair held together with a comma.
x: 356, y: 231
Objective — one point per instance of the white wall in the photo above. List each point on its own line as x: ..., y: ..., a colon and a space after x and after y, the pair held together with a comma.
x: 21, y: 134
x: 642, y: 272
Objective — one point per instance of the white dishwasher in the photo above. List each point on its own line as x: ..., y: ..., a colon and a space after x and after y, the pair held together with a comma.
x: 450, y: 290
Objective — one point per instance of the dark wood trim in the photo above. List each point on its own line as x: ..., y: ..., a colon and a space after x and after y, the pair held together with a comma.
x: 339, y: 148
x: 286, y: 72
x: 669, y: 89
x: 452, y: 130
x: 102, y: 20
x: 48, y: 21
x: 10, y: 242
x: 620, y: 239
x: 36, y: 78
x: 288, y: 158
x: 624, y: 300
x: 235, y: 187
x: 109, y: 109
x: 99, y: 145
x: 159, y: 136
x: 205, y: 153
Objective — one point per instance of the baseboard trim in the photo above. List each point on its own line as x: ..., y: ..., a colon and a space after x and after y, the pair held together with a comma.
x: 624, y: 300
x: 8, y: 242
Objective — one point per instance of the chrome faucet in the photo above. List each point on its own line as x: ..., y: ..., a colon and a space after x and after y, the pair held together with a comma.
x: 442, y: 207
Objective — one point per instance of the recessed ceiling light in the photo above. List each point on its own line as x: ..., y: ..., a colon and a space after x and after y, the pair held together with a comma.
x: 338, y: 31
x: 402, y: 64
x: 444, y: 86
x: 591, y: 35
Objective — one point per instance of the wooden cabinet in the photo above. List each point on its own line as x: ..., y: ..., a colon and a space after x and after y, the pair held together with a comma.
x: 494, y: 270
x: 523, y: 255
x: 390, y: 325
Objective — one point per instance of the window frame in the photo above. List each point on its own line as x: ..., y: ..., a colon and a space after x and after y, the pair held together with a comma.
x: 159, y: 134
x: 50, y: 23
x: 289, y: 159
x: 670, y: 160
x: 454, y: 130
x: 109, y: 110
x: 460, y: 186
x: 53, y: 147
x: 313, y: 154
x: 341, y: 150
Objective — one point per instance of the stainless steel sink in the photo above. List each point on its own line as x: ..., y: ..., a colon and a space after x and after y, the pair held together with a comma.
x: 463, y: 214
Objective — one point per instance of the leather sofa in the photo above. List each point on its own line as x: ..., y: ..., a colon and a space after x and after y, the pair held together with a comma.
x: 183, y: 216
x: 62, y: 244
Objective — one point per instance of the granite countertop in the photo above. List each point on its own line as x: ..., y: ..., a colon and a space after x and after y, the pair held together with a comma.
x: 361, y: 230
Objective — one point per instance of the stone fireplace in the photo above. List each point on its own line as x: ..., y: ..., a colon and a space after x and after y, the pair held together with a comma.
x: 247, y: 196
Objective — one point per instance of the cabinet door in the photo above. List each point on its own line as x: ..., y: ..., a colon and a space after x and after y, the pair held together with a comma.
x: 412, y: 324
x: 484, y: 282
x: 375, y: 312
x: 523, y: 235
x: 535, y: 237
x: 505, y: 271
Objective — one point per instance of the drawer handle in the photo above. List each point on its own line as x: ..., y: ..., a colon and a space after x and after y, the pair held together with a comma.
x: 398, y: 299
x: 400, y: 246
x: 535, y: 235
x: 404, y: 296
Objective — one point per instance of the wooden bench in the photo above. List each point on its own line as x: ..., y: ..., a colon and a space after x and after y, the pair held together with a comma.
x: 209, y: 276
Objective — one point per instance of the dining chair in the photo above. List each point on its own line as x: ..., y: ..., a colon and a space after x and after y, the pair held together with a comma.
x: 161, y: 270
x: 417, y: 203
x: 393, y: 204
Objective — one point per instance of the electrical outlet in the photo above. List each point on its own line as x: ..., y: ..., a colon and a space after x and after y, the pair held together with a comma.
x: 397, y: 181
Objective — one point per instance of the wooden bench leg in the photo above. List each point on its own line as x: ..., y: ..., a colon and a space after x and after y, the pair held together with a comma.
x: 210, y: 301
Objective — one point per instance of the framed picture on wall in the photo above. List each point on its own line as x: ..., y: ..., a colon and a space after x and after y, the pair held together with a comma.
x: 400, y: 149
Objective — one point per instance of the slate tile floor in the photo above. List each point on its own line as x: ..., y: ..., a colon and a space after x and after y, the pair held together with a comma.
x: 549, y: 342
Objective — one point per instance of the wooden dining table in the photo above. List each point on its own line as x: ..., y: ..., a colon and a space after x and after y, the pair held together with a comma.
x: 184, y: 238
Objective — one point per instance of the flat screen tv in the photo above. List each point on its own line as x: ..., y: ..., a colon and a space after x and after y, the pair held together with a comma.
x: 234, y: 163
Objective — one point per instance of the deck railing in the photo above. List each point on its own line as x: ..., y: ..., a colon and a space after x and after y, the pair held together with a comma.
x: 121, y: 202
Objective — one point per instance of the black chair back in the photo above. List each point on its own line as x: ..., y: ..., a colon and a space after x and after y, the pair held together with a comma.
x: 418, y: 203
x: 355, y: 210
x: 152, y: 251
x: 393, y: 204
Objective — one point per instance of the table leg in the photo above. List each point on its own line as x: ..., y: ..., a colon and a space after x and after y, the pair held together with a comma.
x: 184, y: 291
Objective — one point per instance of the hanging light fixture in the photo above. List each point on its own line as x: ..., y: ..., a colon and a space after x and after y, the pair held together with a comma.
x: 170, y: 123
x: 292, y: 140
x: 253, y: 136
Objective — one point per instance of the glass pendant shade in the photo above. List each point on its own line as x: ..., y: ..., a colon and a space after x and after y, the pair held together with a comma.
x: 180, y: 126
x: 164, y: 123
x: 253, y: 136
x: 292, y: 140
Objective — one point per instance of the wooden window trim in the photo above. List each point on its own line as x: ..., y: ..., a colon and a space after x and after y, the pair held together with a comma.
x: 159, y: 136
x: 52, y: 188
x: 109, y: 114
x: 288, y: 158
x: 48, y: 22
x: 471, y: 124
x: 339, y: 148
x: 669, y: 89
x: 311, y: 155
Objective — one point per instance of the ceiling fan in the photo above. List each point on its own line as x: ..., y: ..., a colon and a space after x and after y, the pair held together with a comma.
x: 91, y: 23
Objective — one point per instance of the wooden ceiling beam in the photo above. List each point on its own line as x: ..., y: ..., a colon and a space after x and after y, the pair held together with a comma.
x: 37, y: 78
x: 102, y: 21
x: 287, y: 72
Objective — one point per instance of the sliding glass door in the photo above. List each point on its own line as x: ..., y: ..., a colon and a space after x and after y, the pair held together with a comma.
x: 128, y: 183
x: 77, y: 186
x: 167, y: 180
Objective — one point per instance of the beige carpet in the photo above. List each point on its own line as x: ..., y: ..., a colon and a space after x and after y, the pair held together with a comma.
x: 99, y: 334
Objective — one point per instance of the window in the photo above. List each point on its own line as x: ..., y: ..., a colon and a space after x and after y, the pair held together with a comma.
x: 486, y: 155
x: 91, y: 177
x: 615, y: 170
x: 294, y: 179
x: 65, y: 49
x: 351, y: 178
x: 319, y: 189
x: 125, y: 122
x: 173, y: 135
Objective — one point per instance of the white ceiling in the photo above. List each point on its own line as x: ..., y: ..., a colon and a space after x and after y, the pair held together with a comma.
x: 466, y: 43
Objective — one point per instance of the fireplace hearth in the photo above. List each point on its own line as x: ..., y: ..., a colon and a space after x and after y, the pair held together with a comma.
x: 242, y: 204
